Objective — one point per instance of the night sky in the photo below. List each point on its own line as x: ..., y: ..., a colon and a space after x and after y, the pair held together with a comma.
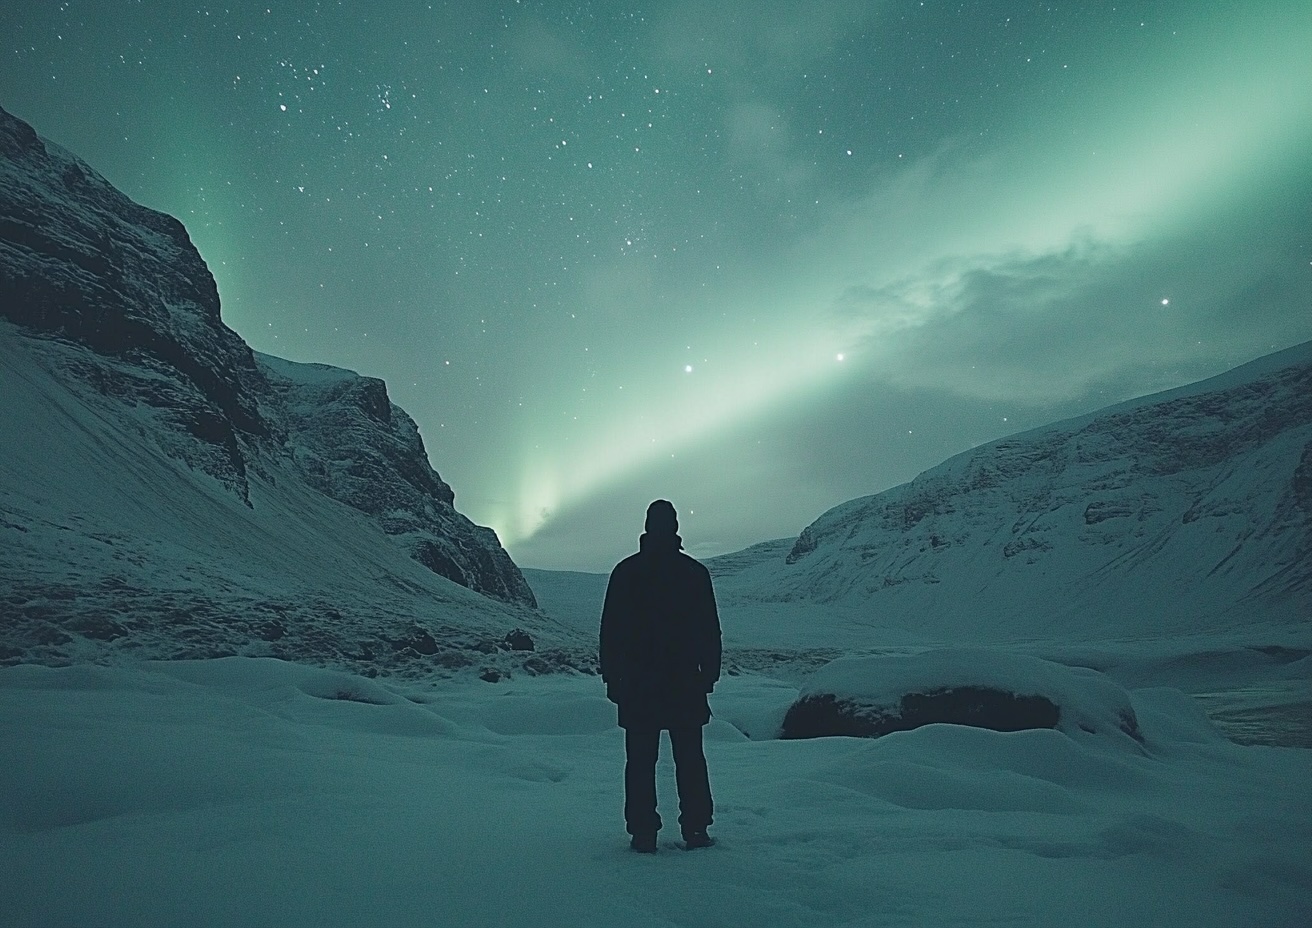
x: 757, y: 258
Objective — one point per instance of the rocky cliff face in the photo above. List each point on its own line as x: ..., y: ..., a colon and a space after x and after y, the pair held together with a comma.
x: 81, y: 261
x: 83, y: 265
x: 1193, y: 506
x: 350, y: 442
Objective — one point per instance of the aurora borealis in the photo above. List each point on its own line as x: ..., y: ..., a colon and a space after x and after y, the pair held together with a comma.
x: 605, y: 253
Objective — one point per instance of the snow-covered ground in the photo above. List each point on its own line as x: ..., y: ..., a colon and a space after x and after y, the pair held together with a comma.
x: 251, y: 791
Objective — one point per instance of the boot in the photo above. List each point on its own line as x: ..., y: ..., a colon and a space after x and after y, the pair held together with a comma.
x: 643, y: 844
x: 695, y: 839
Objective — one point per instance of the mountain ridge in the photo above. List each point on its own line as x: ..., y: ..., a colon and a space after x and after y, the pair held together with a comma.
x: 1196, y: 501
x: 166, y: 491
x: 80, y: 261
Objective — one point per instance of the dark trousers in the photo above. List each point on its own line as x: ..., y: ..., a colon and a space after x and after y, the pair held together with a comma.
x: 641, y: 748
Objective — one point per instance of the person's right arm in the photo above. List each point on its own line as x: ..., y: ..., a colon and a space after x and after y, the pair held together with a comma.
x: 612, y: 652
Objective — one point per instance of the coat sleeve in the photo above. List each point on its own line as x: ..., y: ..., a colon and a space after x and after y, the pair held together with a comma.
x: 711, y: 645
x: 610, y: 649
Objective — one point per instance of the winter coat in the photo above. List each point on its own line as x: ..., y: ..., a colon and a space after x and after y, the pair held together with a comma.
x: 660, y: 637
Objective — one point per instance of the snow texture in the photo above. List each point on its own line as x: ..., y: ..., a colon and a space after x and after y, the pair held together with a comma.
x: 256, y: 792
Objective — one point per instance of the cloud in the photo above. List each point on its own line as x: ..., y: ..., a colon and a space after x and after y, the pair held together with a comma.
x: 544, y: 51
x: 1116, y: 320
x: 743, y: 38
x: 759, y: 140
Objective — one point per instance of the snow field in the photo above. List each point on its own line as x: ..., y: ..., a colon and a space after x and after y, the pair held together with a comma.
x: 248, y: 791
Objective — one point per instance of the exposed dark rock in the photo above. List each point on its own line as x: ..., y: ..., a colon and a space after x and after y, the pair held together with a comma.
x: 518, y: 640
x: 422, y: 642
x: 355, y: 695
x: 538, y: 666
x: 453, y: 659
x: 1106, y: 509
x: 1303, y: 480
x: 49, y: 635
x: 981, y: 707
x: 272, y: 631
x: 804, y: 545
x: 101, y: 629
x: 873, y: 695
x: 1282, y: 654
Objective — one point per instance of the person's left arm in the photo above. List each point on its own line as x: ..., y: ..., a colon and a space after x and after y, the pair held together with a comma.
x: 711, y: 645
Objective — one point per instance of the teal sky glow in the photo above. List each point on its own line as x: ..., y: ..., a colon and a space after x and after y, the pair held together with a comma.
x: 755, y: 258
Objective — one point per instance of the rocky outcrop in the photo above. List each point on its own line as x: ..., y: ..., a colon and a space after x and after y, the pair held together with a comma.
x: 980, y: 707
x: 868, y: 697
x: 81, y: 261
x: 350, y: 442
x: 82, y: 264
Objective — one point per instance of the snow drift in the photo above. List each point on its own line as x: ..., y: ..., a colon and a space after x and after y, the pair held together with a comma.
x: 254, y: 792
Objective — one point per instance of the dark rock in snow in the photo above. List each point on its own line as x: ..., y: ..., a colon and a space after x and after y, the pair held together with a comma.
x: 518, y: 640
x: 272, y: 631
x: 869, y: 697
x: 539, y: 665
x: 977, y: 706
x: 101, y: 629
x: 422, y: 642
x: 453, y: 660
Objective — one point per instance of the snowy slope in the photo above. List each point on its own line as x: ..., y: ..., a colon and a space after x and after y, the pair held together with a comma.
x: 1176, y: 514
x: 114, y: 549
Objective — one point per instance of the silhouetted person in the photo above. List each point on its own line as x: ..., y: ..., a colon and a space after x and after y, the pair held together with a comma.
x: 660, y: 657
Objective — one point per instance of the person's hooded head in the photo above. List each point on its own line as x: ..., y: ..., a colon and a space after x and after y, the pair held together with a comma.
x: 662, y: 525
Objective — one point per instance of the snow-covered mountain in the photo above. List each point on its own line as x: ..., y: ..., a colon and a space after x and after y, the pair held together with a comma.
x: 1173, y: 514
x: 166, y: 490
